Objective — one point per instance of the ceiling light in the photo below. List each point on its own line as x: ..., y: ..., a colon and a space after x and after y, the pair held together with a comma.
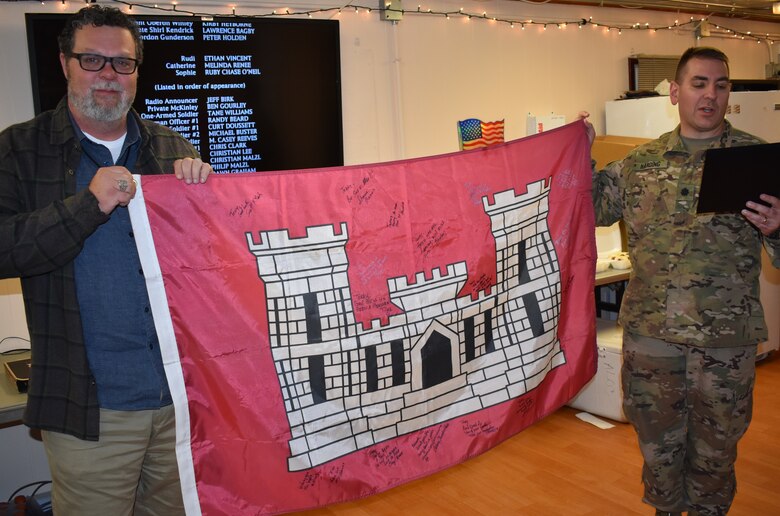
x: 776, y: 8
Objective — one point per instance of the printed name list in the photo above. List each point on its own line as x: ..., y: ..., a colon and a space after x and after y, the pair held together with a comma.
x: 203, y: 96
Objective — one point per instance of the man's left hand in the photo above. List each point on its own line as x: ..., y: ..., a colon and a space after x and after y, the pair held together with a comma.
x: 765, y: 218
x: 192, y: 170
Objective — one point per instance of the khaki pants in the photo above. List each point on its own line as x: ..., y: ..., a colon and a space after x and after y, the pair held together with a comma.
x: 131, y: 470
x: 689, y: 406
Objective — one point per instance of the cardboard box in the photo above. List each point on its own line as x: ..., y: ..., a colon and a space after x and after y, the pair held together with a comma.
x: 603, y: 395
x: 608, y: 148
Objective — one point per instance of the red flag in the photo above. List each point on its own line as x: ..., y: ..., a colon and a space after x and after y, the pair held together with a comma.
x: 331, y: 333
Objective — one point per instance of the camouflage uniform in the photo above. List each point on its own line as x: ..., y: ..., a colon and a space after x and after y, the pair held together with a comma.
x: 691, y: 316
x: 690, y: 405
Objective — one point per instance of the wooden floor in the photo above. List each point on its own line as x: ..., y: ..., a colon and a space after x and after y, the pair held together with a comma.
x: 564, y: 466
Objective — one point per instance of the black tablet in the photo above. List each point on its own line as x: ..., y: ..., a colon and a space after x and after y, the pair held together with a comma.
x: 734, y: 175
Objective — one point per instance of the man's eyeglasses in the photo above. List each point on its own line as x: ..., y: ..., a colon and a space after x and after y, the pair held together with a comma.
x: 96, y: 62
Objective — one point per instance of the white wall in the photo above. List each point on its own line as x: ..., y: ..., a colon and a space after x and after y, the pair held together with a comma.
x: 405, y: 85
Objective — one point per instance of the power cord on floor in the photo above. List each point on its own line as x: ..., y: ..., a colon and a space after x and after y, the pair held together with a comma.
x: 30, y: 505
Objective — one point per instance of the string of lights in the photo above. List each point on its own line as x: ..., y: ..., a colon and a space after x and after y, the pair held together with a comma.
x: 692, y: 24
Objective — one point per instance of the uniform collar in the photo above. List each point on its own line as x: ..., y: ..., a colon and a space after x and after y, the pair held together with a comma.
x: 676, y: 145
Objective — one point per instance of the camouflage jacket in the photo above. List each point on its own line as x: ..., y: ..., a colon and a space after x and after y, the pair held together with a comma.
x: 694, y: 278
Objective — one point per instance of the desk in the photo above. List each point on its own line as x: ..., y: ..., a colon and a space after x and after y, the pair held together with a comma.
x: 612, y: 276
x: 11, y: 401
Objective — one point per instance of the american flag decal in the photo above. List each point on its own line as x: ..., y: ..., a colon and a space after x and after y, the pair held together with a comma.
x: 474, y: 133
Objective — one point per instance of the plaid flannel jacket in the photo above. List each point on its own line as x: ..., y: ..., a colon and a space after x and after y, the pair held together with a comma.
x: 43, y: 226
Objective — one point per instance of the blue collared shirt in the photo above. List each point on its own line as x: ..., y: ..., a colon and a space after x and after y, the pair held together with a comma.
x: 119, y: 333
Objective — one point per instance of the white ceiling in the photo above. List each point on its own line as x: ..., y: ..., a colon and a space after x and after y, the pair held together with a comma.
x: 743, y: 9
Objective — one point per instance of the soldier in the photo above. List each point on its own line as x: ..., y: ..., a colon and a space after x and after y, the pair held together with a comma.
x: 691, y: 314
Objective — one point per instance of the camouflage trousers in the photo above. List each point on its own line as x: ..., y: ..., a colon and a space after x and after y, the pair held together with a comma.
x: 689, y: 407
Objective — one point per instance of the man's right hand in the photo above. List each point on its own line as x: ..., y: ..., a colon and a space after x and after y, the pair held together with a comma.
x: 583, y: 115
x: 113, y: 186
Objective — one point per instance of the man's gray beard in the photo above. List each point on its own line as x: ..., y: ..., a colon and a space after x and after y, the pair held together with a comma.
x: 86, y: 104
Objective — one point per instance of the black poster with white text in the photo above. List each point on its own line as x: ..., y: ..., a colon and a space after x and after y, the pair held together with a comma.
x: 250, y: 94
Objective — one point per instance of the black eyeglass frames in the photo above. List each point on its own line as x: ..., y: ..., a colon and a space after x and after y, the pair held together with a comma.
x: 96, y: 62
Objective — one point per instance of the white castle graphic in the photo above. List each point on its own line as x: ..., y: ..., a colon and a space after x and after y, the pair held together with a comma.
x: 346, y: 388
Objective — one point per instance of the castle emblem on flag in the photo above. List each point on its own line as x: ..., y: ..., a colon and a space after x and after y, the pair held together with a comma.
x: 346, y: 387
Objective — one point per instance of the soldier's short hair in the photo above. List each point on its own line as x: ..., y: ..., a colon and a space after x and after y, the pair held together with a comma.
x: 699, y: 53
